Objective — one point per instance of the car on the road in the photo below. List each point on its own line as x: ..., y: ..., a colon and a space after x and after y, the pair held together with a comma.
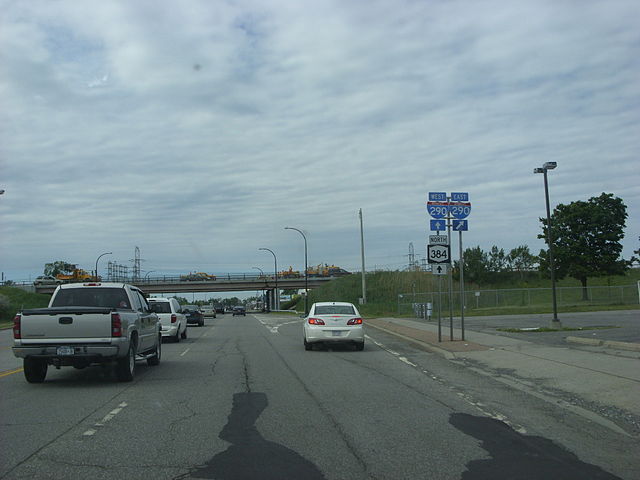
x: 208, y: 311
x: 193, y: 314
x: 239, y: 310
x: 333, y: 322
x: 173, y: 321
x: 219, y: 309
x: 43, y: 280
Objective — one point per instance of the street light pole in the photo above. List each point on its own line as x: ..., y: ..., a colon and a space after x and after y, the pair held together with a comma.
x: 101, y: 255
x: 147, y: 274
x: 555, y: 322
x: 276, y: 302
x: 306, y: 276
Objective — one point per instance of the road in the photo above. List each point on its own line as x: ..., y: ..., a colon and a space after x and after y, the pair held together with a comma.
x: 241, y: 398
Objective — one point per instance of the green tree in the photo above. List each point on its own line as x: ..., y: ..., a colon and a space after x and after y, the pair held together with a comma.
x: 521, y: 260
x: 586, y: 239
x: 496, y: 260
x: 476, y: 263
x: 54, y: 268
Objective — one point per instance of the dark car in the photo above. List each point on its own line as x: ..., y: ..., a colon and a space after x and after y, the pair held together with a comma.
x: 219, y: 309
x: 239, y: 311
x: 193, y: 314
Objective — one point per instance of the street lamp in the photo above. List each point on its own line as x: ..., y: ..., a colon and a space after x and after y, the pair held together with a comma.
x: 555, y: 323
x: 276, y: 302
x: 258, y: 268
x: 306, y: 284
x: 146, y: 276
x: 101, y: 255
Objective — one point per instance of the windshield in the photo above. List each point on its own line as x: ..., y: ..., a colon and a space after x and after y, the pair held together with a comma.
x: 334, y: 310
x: 91, y: 297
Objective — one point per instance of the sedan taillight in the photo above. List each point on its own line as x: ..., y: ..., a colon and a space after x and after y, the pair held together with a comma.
x: 316, y: 321
x: 174, y: 318
x: 16, y: 327
x: 355, y: 321
x: 116, y: 325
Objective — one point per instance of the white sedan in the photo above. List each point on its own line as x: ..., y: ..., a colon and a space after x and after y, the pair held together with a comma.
x: 333, y: 322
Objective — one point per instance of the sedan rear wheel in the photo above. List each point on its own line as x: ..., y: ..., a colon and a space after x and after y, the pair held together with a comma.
x: 359, y: 346
x: 307, y: 346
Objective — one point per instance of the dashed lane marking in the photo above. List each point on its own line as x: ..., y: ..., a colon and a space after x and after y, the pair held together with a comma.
x: 107, y: 418
x: 185, y: 352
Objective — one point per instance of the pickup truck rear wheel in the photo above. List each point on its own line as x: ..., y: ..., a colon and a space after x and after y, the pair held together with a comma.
x: 126, y: 366
x: 35, y: 369
x: 155, y: 358
x: 184, y: 333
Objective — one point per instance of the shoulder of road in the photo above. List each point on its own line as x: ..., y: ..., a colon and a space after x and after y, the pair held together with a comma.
x: 584, y: 374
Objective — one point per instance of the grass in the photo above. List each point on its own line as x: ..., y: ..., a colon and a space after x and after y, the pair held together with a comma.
x: 14, y: 299
x: 383, y: 289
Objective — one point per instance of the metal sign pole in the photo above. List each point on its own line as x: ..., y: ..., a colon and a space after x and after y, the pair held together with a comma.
x: 439, y: 308
x: 450, y: 278
x: 461, y: 285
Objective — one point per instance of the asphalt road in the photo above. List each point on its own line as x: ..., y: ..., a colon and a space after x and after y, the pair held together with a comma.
x: 241, y: 398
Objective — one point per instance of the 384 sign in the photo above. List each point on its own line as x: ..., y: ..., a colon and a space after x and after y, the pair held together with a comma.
x: 438, y: 254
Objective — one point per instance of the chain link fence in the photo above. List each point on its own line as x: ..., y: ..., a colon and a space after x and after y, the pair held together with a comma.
x: 479, y: 300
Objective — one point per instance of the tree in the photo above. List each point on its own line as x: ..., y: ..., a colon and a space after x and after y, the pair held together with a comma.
x: 497, y: 260
x: 55, y: 268
x: 475, y: 265
x: 586, y: 239
x: 521, y: 260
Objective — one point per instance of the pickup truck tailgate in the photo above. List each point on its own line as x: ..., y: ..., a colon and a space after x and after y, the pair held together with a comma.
x: 66, y: 324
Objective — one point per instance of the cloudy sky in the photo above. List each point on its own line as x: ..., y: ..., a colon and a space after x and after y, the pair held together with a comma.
x: 197, y: 130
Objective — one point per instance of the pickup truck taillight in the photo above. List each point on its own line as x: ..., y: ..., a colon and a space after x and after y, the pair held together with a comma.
x: 116, y: 325
x: 355, y: 321
x: 16, y: 327
x: 174, y: 318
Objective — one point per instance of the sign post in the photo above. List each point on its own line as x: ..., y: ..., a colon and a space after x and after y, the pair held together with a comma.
x: 450, y: 211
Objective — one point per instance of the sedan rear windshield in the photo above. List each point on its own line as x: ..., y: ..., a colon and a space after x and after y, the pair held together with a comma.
x: 334, y: 310
x: 162, y: 307
x: 91, y: 297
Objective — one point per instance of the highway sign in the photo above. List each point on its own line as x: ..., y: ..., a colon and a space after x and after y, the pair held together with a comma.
x: 437, y: 196
x: 438, y: 254
x: 438, y: 209
x: 459, y: 210
x: 438, y: 239
x: 460, y: 225
x: 459, y: 197
x: 438, y: 225
x: 440, y: 269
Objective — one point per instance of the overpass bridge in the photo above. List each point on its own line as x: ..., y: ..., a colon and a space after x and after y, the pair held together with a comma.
x: 228, y: 283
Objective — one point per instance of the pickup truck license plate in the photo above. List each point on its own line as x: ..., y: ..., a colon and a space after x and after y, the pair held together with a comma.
x: 64, y: 351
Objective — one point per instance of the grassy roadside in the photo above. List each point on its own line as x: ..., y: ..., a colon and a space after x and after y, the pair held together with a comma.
x: 14, y: 299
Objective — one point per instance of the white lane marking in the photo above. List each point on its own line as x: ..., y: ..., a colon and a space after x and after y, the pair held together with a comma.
x: 185, y: 352
x: 467, y: 398
x: 106, y: 419
x: 273, y: 329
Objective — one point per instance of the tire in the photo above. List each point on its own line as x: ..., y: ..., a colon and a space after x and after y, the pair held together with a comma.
x: 35, y: 369
x: 183, y: 335
x: 359, y: 346
x: 307, y: 346
x: 176, y: 337
x: 125, y: 367
x: 201, y: 323
x: 155, y: 359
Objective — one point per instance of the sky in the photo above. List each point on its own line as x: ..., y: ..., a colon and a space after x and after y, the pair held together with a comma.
x: 197, y: 130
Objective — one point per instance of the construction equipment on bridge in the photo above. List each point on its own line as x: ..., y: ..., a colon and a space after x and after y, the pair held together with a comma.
x: 326, y: 271
x: 291, y: 273
x: 197, y: 277
x: 76, y: 275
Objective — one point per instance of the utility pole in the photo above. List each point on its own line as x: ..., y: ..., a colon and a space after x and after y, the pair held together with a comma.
x: 364, y: 283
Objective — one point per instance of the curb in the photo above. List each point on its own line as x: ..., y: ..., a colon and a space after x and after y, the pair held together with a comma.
x: 423, y: 345
x: 631, y: 346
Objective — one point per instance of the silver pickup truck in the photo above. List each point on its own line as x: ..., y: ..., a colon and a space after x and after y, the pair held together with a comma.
x: 86, y: 324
